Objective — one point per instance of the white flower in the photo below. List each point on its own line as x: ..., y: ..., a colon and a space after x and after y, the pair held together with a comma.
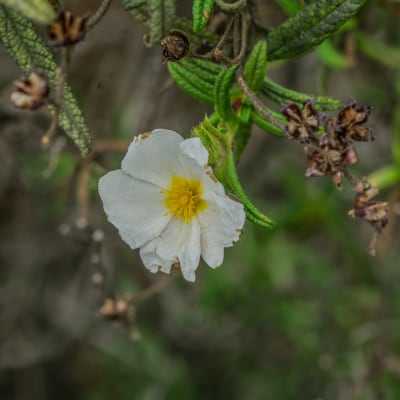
x: 166, y: 202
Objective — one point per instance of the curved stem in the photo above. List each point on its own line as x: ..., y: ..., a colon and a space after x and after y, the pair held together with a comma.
x: 257, y: 102
x: 231, y: 7
x: 99, y: 14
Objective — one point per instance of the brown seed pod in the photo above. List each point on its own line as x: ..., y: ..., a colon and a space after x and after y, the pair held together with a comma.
x: 175, y: 46
x: 350, y: 120
x: 67, y: 30
x: 302, y: 123
x: 31, y: 92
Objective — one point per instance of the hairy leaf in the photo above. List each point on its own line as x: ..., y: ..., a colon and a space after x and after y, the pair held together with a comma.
x: 310, y: 26
x: 200, y: 89
x: 202, y: 10
x: 254, y: 70
x: 162, y: 14
x: 18, y: 36
x: 37, y: 10
x: 282, y: 95
x: 222, y: 88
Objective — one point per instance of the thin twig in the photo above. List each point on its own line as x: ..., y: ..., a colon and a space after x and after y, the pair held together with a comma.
x: 243, y: 39
x: 153, y: 289
x: 256, y: 102
x: 99, y: 14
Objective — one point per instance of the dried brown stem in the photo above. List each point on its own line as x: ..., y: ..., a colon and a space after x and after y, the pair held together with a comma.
x: 256, y: 102
x: 98, y: 15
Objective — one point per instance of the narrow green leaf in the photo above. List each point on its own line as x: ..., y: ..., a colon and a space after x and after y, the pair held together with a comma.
x: 202, y: 10
x: 386, y: 176
x: 378, y: 50
x: 289, y: 6
x: 18, y: 36
x: 138, y: 9
x: 218, y: 142
x: 199, y: 70
x: 310, y: 26
x: 331, y: 57
x: 192, y: 84
x: 222, y: 96
x: 37, y: 10
x: 282, y: 95
x: 232, y: 184
x: 265, y: 125
x: 161, y: 19
x: 254, y: 69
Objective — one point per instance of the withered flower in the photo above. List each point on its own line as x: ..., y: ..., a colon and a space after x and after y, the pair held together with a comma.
x: 175, y: 46
x: 67, y: 30
x: 302, y: 123
x: 372, y: 211
x: 114, y: 308
x: 327, y: 159
x: 31, y: 92
x: 349, y: 121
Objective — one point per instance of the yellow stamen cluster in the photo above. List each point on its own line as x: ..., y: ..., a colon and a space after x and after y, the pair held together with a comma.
x: 183, y: 198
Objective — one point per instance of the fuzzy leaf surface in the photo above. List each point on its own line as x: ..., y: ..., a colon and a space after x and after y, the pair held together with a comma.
x: 310, y: 26
x: 18, y: 36
x: 37, y: 10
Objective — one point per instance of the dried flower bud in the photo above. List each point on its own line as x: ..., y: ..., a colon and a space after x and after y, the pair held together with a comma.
x: 374, y: 212
x: 67, y: 30
x: 302, y: 123
x: 114, y: 308
x: 31, y: 92
x: 326, y: 159
x: 175, y: 46
x: 349, y: 121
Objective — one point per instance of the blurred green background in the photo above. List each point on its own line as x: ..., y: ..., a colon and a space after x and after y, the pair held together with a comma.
x: 302, y: 312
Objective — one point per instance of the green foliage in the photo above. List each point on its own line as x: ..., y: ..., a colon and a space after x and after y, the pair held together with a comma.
x: 282, y: 95
x: 202, y: 10
x: 196, y: 86
x: 309, y: 27
x: 254, y: 69
x: 18, y: 36
x: 159, y: 16
x: 37, y: 10
x: 222, y: 93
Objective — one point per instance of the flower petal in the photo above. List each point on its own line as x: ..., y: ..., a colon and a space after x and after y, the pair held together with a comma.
x: 135, y: 207
x: 194, y: 149
x: 154, y: 157
x: 179, y: 242
x: 221, y: 224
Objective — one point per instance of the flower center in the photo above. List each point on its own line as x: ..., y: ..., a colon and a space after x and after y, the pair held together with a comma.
x: 183, y: 198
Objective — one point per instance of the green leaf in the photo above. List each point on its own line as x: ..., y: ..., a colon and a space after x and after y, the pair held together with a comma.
x: 289, y: 6
x: 37, y: 10
x: 331, y: 57
x: 222, y: 96
x: 138, y: 8
x: 218, y: 142
x: 264, y: 124
x: 385, y: 177
x: 200, y: 89
x: 202, y: 10
x: 310, y: 26
x: 18, y: 36
x: 282, y: 95
x: 254, y: 69
x: 162, y: 15
x: 378, y: 50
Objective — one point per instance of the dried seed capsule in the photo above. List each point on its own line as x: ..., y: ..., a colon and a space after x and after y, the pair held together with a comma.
x: 175, y: 46
x: 31, y: 92
x: 349, y: 121
x: 67, y: 30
